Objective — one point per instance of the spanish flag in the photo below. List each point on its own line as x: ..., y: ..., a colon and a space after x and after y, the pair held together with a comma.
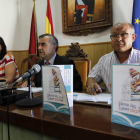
x: 49, y: 22
x: 33, y: 34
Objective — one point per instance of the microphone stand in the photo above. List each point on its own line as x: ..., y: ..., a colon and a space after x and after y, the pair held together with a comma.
x: 30, y: 87
x: 31, y: 101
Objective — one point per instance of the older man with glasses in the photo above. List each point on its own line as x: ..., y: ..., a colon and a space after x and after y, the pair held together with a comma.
x: 122, y: 36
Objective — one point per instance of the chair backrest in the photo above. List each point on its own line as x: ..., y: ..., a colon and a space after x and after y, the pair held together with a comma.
x: 82, y: 63
x: 32, y: 59
x: 83, y: 66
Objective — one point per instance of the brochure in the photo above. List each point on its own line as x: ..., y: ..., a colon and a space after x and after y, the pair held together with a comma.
x: 57, y: 82
x: 126, y: 95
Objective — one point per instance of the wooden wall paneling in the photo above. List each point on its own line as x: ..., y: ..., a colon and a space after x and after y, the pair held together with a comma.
x: 110, y: 49
x: 89, y: 49
x: 94, y: 51
x: 62, y: 50
x: 100, y: 50
x: 23, y: 55
x: 59, y: 50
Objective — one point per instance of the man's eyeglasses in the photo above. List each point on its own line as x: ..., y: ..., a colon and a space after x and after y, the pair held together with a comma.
x: 123, y: 35
x: 42, y: 44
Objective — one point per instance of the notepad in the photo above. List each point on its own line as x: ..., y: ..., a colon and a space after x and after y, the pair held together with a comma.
x: 100, y: 97
x: 34, y: 89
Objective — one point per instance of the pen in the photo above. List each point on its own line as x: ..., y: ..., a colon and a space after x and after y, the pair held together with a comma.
x: 98, y: 88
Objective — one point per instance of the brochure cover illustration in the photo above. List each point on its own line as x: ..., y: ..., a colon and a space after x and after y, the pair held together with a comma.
x: 54, y: 91
x: 67, y: 76
x: 126, y: 95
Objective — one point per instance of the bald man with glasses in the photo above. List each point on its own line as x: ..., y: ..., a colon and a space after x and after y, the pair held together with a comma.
x: 122, y: 36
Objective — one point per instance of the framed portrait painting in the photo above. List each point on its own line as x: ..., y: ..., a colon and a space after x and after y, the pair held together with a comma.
x: 82, y: 17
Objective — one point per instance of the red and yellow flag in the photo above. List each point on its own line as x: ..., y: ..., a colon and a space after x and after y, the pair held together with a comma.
x: 49, y: 22
x: 33, y: 34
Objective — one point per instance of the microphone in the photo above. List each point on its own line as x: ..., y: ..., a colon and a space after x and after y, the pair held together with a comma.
x: 35, y: 69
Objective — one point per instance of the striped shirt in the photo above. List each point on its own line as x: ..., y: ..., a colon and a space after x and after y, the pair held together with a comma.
x: 102, y: 70
x: 8, y: 59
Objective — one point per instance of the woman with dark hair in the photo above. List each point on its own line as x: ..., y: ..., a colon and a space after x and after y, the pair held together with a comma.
x: 8, y: 65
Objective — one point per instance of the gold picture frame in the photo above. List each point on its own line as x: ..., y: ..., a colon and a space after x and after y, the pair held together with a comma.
x: 99, y: 18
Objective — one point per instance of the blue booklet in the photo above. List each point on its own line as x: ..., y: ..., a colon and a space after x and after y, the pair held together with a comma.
x: 56, y: 84
x: 125, y: 86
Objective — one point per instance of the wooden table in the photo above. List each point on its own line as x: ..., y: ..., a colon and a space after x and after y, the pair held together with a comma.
x: 86, y: 122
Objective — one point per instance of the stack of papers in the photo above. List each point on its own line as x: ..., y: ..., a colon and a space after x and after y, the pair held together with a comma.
x: 100, y: 97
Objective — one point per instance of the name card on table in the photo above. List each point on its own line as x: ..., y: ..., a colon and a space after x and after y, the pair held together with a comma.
x: 126, y: 95
x: 57, y: 88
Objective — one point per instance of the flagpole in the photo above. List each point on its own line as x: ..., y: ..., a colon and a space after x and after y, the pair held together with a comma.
x: 35, y: 27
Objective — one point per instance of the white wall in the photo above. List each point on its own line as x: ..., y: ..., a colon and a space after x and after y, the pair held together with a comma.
x: 9, y: 23
x: 26, y: 7
x: 16, y: 15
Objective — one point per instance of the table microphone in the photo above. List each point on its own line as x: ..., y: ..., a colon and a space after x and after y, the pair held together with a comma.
x: 35, y: 69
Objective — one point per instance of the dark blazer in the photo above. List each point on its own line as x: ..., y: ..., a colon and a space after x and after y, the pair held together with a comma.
x: 61, y: 60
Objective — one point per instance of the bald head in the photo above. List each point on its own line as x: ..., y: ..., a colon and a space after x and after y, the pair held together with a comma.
x: 121, y: 25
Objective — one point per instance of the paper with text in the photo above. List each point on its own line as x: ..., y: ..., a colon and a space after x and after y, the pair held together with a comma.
x: 33, y: 89
x: 126, y: 94
x: 56, y: 82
